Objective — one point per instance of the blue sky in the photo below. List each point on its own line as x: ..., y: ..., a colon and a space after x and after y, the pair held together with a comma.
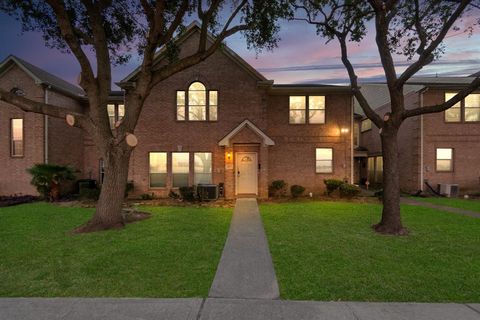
x: 301, y: 56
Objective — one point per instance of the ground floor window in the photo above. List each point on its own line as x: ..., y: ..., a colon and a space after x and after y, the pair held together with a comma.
x: 375, y: 169
x: 180, y: 169
x: 101, y: 170
x: 158, y: 169
x: 16, y: 135
x: 444, y: 159
x: 324, y: 160
x: 202, y: 167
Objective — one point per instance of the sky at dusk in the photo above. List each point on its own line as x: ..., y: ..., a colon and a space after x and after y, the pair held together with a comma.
x: 301, y: 56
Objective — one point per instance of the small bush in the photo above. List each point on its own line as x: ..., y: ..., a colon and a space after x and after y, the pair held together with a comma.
x: 89, y: 193
x: 172, y: 194
x: 147, y: 196
x: 297, y: 190
x: 349, y: 190
x: 187, y: 193
x: 277, y: 188
x: 128, y: 188
x: 332, y: 185
x: 48, y: 177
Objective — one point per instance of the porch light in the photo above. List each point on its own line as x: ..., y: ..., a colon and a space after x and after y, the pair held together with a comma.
x: 229, y: 156
x: 344, y: 130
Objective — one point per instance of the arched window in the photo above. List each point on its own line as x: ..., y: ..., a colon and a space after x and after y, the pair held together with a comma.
x: 197, y: 104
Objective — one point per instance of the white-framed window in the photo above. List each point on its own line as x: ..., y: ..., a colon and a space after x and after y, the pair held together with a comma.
x: 180, y: 169
x: 116, y: 112
x: 324, y: 160
x: 197, y: 103
x: 366, y: 125
x: 454, y: 114
x: 444, y: 159
x: 158, y: 169
x: 356, y: 134
x: 472, y: 107
x: 306, y: 109
x: 202, y: 167
x: 16, y: 136
x: 468, y: 108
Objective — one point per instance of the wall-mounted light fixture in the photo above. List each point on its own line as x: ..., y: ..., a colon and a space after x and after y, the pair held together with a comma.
x: 229, y: 156
x: 344, y: 130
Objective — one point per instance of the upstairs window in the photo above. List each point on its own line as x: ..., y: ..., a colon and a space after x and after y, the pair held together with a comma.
x: 16, y: 133
x: 307, y: 109
x: 468, y: 109
x: 444, y: 159
x: 454, y: 114
x: 116, y: 112
x: 472, y: 108
x: 366, y: 125
x: 197, y: 104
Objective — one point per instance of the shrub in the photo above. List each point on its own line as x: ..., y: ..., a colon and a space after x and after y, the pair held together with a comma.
x: 332, y: 185
x: 297, y: 190
x: 47, y: 178
x: 349, y: 190
x: 89, y: 193
x: 147, y: 196
x: 187, y: 193
x: 277, y: 188
x: 172, y: 194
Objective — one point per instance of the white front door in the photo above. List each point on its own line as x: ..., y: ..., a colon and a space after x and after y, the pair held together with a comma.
x: 246, y: 172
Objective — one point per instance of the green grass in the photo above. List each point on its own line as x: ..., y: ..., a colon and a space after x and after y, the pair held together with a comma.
x: 327, y: 251
x: 173, y: 254
x: 467, y: 204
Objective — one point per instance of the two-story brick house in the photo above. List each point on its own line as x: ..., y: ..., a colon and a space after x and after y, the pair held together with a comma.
x: 219, y: 122
x: 435, y: 148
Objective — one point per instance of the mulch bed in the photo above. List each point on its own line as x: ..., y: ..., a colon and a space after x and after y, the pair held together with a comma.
x: 6, y: 201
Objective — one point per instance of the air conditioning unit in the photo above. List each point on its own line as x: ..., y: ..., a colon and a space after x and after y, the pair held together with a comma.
x: 448, y: 189
x: 207, y: 191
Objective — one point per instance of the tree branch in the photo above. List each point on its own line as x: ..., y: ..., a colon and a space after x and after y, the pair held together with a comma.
x: 29, y: 105
x: 474, y: 85
x: 426, y: 56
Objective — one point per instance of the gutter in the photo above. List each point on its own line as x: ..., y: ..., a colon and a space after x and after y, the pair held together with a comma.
x: 425, y: 89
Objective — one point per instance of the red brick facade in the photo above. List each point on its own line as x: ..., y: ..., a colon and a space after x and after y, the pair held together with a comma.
x: 419, y: 138
x: 243, y: 95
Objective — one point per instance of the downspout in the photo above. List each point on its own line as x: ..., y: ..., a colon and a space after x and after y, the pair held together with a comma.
x: 45, y: 129
x: 421, y: 141
x: 351, y: 140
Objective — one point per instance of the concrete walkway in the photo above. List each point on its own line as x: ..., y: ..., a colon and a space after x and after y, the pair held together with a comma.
x: 227, y: 309
x: 246, y: 268
x: 414, y: 202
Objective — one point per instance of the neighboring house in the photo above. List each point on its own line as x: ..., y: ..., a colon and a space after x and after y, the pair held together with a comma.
x: 436, y: 148
x: 219, y: 122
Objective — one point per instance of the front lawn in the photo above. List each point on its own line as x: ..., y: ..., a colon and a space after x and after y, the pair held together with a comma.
x: 173, y: 254
x: 327, y: 251
x: 467, y: 204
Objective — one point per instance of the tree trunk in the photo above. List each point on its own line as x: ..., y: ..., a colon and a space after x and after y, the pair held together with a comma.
x: 108, y: 212
x: 391, y: 222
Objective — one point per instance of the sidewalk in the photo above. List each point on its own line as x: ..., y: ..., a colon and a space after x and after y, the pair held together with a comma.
x: 246, y: 268
x: 414, y: 202
x: 227, y: 309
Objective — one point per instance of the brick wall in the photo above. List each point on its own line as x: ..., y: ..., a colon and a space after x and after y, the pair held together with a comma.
x: 14, y: 178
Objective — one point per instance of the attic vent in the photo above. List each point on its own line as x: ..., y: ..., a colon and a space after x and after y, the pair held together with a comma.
x: 17, y: 91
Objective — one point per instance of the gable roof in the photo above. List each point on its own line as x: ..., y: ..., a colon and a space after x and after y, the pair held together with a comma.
x: 475, y: 75
x: 41, y: 76
x: 193, y: 28
x: 225, y: 142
